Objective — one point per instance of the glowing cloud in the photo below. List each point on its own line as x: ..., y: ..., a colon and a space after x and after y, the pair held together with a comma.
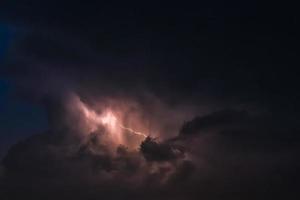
x: 109, y: 119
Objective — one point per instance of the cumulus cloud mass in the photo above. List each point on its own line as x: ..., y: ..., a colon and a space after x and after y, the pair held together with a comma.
x: 188, y: 102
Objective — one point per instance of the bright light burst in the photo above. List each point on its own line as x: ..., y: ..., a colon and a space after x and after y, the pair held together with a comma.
x: 107, y: 119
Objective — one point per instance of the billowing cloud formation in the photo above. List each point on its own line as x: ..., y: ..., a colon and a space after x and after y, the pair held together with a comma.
x: 188, y: 102
x: 229, y: 154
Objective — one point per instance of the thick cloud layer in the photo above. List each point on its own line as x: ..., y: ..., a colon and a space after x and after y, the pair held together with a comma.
x: 161, y: 102
x: 228, y: 154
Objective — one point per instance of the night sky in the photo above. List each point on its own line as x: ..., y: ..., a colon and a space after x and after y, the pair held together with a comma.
x: 146, y: 100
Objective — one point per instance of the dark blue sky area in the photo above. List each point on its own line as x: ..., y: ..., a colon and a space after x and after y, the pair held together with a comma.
x: 18, y: 118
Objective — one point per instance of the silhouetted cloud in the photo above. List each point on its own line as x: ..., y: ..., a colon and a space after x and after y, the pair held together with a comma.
x: 154, y: 151
x: 206, y: 109
x: 218, y: 162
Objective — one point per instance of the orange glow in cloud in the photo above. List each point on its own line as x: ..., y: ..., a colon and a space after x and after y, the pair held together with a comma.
x: 111, y: 123
x: 110, y: 120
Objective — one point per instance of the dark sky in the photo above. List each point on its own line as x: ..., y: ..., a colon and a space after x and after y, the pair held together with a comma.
x: 235, y: 63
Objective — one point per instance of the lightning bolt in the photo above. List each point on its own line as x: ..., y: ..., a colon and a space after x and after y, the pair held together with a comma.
x: 133, y: 131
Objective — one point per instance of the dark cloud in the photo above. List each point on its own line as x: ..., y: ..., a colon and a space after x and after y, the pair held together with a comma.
x: 154, y: 151
x: 216, y: 163
x: 214, y: 86
x: 233, y: 53
x: 215, y: 120
x: 249, y: 126
x: 49, y: 163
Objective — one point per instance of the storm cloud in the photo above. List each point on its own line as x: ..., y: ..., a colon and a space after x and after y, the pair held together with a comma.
x: 215, y: 161
x: 152, y: 101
